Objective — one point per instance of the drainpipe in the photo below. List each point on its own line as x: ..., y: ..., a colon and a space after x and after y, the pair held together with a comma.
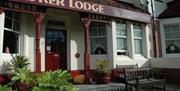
x: 154, y: 31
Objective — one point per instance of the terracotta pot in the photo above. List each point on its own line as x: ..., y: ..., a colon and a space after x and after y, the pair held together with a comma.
x: 23, y: 87
x: 3, y: 79
x: 103, y: 78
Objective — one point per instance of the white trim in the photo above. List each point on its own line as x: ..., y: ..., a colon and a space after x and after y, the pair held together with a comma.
x: 2, y: 18
x: 13, y: 31
x: 162, y: 23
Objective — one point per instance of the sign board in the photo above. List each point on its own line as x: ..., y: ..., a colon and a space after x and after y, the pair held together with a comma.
x: 91, y: 7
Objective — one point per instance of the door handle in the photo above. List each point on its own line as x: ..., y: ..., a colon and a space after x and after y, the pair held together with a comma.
x: 56, y: 55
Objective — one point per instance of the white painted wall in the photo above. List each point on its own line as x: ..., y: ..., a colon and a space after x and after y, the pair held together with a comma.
x: 165, y: 62
x: 28, y: 38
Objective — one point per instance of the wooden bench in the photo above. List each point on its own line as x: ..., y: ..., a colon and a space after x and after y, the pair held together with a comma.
x: 119, y: 71
x: 140, y: 77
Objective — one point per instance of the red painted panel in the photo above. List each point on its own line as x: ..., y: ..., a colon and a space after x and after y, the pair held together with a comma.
x: 52, y: 61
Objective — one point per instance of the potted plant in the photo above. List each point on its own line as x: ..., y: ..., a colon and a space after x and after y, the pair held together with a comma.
x: 103, y: 73
x: 23, y: 79
x: 57, y: 80
x: 4, y: 68
x: 19, y: 61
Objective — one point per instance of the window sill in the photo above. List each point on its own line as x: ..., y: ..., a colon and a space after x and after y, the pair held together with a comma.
x: 172, y: 55
x: 123, y: 57
x: 98, y: 54
x: 139, y: 56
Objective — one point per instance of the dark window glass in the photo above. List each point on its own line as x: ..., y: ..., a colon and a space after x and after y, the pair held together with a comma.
x: 8, y: 23
x: 11, y: 41
x: 98, y: 40
x: 11, y: 32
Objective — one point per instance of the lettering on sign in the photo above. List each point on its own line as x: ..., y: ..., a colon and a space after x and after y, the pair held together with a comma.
x: 74, y: 4
x: 82, y: 6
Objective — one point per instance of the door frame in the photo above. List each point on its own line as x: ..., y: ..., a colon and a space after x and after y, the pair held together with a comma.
x: 62, y: 29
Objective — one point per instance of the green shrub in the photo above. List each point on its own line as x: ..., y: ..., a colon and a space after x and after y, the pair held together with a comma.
x: 54, y: 81
x: 19, y: 61
x: 5, y: 88
x: 23, y: 75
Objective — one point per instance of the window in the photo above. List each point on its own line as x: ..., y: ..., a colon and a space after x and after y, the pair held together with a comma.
x: 121, y: 35
x: 172, y: 38
x: 98, y: 38
x: 137, y: 30
x: 11, y: 33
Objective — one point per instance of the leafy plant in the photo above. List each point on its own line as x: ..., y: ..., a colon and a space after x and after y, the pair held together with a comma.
x: 54, y: 81
x: 5, y: 88
x: 79, y: 79
x: 19, y: 61
x: 102, y: 67
x: 23, y: 75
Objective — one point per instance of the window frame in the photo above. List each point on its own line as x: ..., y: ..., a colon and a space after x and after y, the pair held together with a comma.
x: 124, y: 37
x: 138, y: 38
x: 171, y: 39
x: 12, y: 30
x: 97, y: 29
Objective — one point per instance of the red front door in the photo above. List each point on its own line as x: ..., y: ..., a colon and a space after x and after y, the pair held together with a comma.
x: 56, y: 49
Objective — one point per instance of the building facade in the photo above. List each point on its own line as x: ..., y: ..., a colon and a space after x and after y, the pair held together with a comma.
x: 166, y: 13
x: 73, y: 34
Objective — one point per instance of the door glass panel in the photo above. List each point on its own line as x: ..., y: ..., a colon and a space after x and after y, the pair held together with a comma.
x: 55, y: 41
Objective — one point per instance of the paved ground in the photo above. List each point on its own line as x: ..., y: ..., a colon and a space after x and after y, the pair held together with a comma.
x: 168, y: 88
x: 102, y: 87
x: 119, y: 87
x: 172, y: 88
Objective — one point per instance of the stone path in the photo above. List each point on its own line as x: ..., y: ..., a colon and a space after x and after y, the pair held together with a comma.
x: 102, y: 87
x: 119, y: 87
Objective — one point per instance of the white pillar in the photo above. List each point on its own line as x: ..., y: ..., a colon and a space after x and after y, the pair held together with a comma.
x: 114, y: 43
x: 130, y: 40
x: 110, y: 44
x: 146, y: 39
x: 2, y: 19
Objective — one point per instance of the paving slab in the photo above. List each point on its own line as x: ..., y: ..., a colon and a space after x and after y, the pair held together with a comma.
x: 119, y: 87
x: 101, y: 87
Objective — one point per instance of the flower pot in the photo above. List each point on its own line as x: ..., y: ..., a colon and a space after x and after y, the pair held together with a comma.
x: 3, y: 79
x: 23, y: 87
x: 103, y: 78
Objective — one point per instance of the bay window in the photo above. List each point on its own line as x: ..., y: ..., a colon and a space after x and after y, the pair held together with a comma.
x: 98, y: 42
x: 11, y: 33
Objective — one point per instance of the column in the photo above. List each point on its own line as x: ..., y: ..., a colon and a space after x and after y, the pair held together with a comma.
x: 86, y: 24
x: 2, y: 18
x: 38, y: 20
x: 130, y: 40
